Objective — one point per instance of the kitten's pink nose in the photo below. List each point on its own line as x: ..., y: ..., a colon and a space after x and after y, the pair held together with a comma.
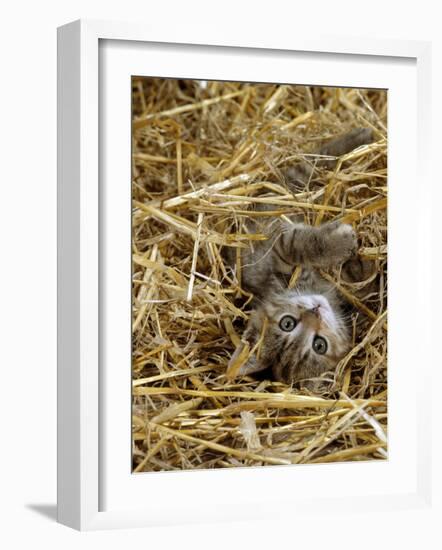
x: 311, y: 317
x: 315, y: 311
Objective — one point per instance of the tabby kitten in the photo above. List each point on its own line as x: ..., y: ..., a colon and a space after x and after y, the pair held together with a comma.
x: 298, y: 334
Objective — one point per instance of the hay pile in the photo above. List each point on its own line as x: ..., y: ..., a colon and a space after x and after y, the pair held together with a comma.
x: 201, y: 152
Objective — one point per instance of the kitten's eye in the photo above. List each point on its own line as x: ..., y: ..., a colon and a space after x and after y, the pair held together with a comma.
x: 287, y: 323
x: 320, y: 345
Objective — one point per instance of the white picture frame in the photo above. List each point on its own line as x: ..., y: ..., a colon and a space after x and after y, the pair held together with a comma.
x: 82, y: 446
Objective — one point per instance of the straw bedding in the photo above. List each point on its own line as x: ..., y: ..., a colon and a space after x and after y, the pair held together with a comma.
x: 202, y: 153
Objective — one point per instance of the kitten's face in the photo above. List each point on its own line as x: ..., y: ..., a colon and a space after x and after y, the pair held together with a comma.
x: 304, y: 336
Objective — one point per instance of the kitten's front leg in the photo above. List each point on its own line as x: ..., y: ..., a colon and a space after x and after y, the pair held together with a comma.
x: 325, y: 246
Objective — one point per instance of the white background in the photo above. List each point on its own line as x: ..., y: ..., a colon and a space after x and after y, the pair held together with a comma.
x: 28, y: 262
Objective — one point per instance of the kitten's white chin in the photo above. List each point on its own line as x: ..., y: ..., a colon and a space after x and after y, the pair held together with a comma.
x: 320, y: 303
x: 311, y: 301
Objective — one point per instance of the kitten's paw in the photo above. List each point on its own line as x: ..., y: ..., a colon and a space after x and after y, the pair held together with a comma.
x: 356, y: 270
x: 341, y: 241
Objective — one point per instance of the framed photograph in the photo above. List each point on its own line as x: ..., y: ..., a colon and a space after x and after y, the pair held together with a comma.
x: 235, y: 275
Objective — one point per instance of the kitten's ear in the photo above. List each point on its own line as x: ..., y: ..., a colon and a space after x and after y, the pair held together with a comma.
x: 245, y: 359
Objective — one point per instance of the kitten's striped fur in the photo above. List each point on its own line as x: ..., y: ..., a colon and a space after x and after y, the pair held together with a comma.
x: 313, y: 305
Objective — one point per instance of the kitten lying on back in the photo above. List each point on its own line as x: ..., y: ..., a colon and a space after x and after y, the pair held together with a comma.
x: 300, y: 333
